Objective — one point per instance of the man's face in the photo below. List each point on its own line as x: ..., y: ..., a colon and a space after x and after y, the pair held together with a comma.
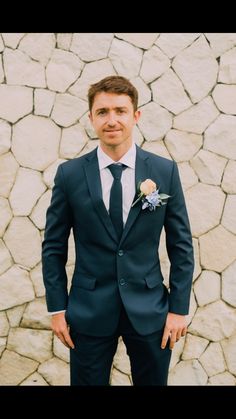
x: 113, y: 118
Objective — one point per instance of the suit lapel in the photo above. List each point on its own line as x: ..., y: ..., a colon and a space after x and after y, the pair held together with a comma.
x: 142, y: 172
x: 95, y: 190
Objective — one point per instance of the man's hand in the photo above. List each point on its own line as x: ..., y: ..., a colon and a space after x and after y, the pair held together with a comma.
x: 61, y: 330
x: 175, y: 327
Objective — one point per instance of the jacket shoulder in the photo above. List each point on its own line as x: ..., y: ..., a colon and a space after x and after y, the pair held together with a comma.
x: 77, y: 163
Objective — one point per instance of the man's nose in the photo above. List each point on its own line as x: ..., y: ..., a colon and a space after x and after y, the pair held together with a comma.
x: 111, y: 119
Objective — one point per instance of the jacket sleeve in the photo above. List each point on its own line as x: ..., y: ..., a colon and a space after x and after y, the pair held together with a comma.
x: 179, y: 247
x: 55, y: 246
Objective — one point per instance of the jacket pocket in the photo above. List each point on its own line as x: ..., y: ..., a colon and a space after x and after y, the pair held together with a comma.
x: 85, y: 282
x: 153, y: 279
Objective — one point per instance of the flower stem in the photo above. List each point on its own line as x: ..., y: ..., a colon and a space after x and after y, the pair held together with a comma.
x: 135, y: 202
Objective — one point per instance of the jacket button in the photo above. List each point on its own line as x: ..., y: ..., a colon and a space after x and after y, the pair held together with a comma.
x: 122, y: 281
x: 121, y: 252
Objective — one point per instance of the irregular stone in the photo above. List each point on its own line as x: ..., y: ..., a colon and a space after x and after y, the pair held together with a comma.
x: 119, y: 379
x: 21, y: 70
x: 5, y: 135
x: 227, y: 73
x: 216, y: 254
x: 35, y: 344
x: 197, y: 266
x: 220, y: 136
x: 36, y: 315
x: 229, y: 348
x: 12, y: 39
x: 229, y: 285
x: 6, y: 215
x: 30, y: 142
x: 214, y: 321
x: 182, y: 145
x: 85, y: 122
x: 121, y: 359
x: 91, y: 46
x: 221, y: 42
x: 92, y: 73
x: 194, y: 347
x: 3, y: 343
x: 188, y: 373
x: 172, y: 43
x: 1, y: 44
x: 213, y: 360
x: 144, y: 93
x: 140, y: 40
x: 205, y: 206
x: 155, y: 122
x: 62, y: 70
x: 228, y: 218
x: 91, y: 145
x: 187, y: 175
x: 15, y: 315
x: 154, y: 64
x: 60, y: 350
x: 55, y: 372
x: 168, y: 91
x: 50, y: 172
x: 125, y: 58
x: 68, y: 109
x: 223, y: 379
x: 5, y: 258
x: 207, y: 288
x: 15, y: 288
x: 225, y: 98
x: 197, y: 68
x: 8, y: 169
x: 28, y: 184
x: 137, y: 136
x: 34, y: 380
x: 192, y: 308
x: 21, y: 230
x: 15, y: 368
x: 43, y: 102
x: 38, y: 46
x: 157, y: 147
x: 38, y: 215
x: 4, y: 325
x: 198, y: 117
x: 64, y: 40
x: 1, y: 71
x: 72, y: 141
x: 37, y: 280
x: 228, y: 182
x: 209, y: 167
x: 71, y: 250
x: 16, y: 102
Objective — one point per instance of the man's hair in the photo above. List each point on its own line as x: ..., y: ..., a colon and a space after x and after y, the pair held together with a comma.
x: 113, y: 84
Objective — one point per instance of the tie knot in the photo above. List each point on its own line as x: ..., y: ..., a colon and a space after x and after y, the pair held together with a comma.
x: 116, y: 170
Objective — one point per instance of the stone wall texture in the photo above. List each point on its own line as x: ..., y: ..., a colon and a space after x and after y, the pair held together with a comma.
x: 187, y: 86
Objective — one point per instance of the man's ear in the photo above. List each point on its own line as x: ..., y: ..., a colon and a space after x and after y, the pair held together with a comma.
x: 137, y: 116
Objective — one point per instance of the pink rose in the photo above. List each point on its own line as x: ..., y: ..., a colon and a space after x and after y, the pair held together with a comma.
x: 147, y: 187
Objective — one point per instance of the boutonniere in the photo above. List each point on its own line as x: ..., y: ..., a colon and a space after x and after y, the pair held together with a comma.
x: 150, y: 196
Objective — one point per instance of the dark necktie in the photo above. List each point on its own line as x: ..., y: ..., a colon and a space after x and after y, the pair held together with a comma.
x: 115, y: 207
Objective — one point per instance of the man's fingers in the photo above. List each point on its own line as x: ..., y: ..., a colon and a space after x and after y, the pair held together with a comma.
x: 66, y: 339
x: 165, y: 338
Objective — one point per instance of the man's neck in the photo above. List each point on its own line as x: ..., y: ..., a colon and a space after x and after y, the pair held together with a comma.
x: 116, y: 152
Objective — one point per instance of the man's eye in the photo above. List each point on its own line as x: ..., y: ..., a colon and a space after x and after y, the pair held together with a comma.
x: 102, y: 112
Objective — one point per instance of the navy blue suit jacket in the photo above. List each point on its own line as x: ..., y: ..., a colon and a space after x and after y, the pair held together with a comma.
x: 106, y: 271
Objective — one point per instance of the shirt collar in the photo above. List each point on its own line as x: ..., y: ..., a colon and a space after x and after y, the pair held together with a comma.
x: 128, y: 159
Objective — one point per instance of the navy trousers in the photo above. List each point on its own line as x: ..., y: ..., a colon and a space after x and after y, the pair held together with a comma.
x: 91, y: 360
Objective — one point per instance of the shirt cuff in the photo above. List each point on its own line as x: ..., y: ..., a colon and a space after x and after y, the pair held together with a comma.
x: 56, y: 312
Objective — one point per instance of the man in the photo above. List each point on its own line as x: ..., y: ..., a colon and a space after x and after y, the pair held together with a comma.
x: 117, y: 287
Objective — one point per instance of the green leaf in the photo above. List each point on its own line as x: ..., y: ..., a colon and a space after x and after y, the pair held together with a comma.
x: 164, y: 196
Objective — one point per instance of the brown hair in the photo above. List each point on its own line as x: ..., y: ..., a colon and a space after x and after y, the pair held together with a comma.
x: 113, y: 84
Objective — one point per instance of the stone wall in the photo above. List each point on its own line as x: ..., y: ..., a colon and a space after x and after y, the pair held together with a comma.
x: 187, y: 85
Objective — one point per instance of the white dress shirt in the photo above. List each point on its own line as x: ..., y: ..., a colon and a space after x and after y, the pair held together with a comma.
x: 127, y: 181
x: 127, y: 178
